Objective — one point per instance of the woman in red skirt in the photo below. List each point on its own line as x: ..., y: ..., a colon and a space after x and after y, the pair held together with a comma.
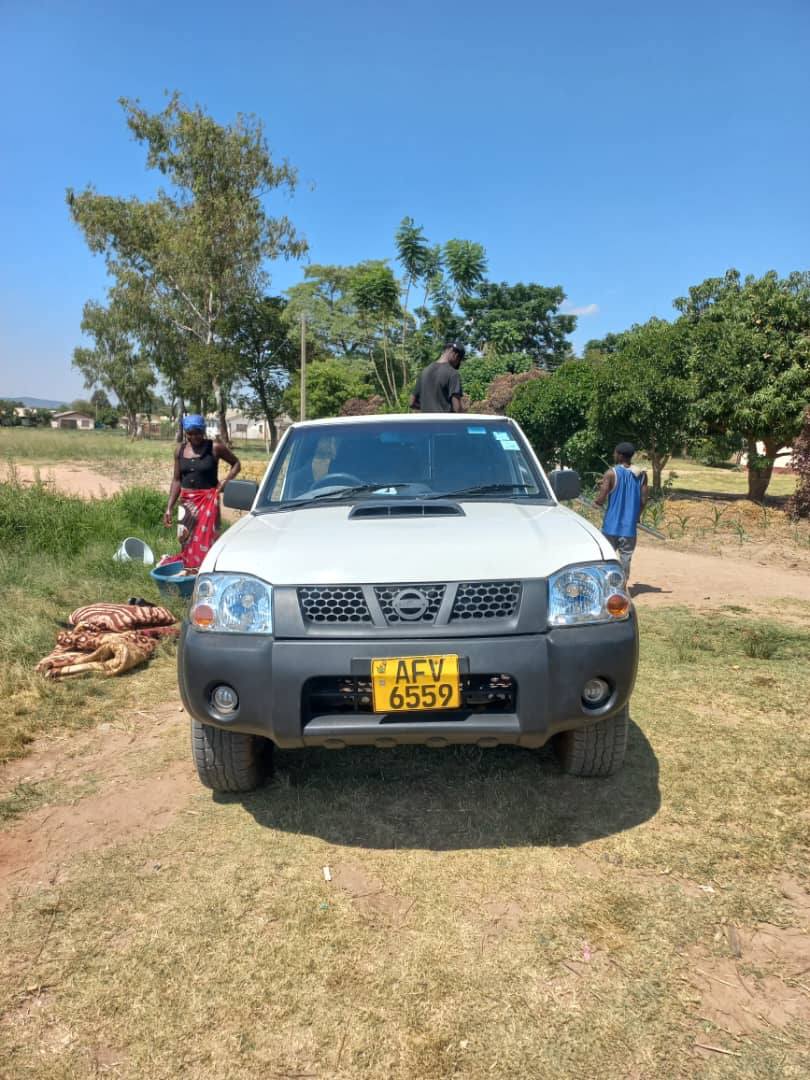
x: 195, y: 483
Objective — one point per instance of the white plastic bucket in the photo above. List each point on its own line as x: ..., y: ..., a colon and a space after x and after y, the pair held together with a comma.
x: 134, y: 550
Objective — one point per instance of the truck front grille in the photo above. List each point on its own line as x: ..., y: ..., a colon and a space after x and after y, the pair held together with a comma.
x: 334, y: 604
x: 339, y: 695
x: 486, y: 600
x: 409, y: 607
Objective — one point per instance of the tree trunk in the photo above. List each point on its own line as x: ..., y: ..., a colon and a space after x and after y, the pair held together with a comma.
x: 181, y: 408
x: 219, y: 397
x: 132, y: 425
x: 658, y: 462
x: 273, y: 432
x: 760, y: 469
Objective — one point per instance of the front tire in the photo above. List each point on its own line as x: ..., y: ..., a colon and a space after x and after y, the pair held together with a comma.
x: 228, y: 760
x: 595, y: 750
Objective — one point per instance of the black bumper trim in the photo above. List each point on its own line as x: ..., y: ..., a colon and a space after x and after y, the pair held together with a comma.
x: 269, y: 675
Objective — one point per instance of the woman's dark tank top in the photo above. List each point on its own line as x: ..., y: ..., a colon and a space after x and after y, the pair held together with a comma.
x: 199, y: 472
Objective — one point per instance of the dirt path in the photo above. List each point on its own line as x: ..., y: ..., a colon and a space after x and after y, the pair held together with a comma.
x: 112, y: 784
x: 70, y: 479
x: 663, y: 575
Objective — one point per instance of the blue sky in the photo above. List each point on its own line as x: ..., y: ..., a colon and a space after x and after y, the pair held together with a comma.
x: 622, y: 154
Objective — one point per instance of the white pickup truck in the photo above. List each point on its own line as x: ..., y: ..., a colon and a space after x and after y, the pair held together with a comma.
x: 407, y: 579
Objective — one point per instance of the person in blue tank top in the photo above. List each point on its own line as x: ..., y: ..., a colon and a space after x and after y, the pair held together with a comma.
x: 625, y: 489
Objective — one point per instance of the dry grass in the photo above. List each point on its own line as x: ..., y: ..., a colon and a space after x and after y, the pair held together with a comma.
x: 487, y: 916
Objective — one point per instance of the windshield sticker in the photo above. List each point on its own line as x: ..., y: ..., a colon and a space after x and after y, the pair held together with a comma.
x: 476, y: 431
x: 502, y: 436
x: 509, y: 444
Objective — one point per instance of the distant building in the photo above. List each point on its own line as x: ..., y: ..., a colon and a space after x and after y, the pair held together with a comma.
x: 73, y: 420
x: 242, y: 427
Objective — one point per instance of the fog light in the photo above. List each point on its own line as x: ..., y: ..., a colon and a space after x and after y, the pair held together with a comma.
x: 595, y: 692
x: 225, y: 699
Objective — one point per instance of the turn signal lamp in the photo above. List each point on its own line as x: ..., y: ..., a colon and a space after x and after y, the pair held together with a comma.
x: 202, y: 615
x: 618, y: 605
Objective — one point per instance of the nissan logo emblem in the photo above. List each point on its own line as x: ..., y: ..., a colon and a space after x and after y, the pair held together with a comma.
x: 410, y: 604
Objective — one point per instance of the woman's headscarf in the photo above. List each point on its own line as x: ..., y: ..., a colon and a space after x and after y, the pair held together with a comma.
x: 193, y: 422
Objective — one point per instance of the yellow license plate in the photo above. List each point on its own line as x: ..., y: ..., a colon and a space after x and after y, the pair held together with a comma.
x: 415, y: 683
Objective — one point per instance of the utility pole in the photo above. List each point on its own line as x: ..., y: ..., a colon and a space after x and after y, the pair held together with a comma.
x: 303, y: 367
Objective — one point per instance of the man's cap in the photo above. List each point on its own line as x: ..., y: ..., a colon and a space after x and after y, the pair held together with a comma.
x: 626, y: 449
x: 459, y: 349
x: 194, y: 422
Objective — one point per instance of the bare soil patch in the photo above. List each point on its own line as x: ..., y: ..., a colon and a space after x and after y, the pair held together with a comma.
x: 661, y: 574
x: 369, y: 895
x: 36, y: 851
x: 69, y: 478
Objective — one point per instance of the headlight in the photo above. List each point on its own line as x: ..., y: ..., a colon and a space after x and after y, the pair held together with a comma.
x: 587, y: 594
x: 235, y: 603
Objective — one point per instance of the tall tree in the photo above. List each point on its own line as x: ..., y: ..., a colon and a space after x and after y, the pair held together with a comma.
x: 202, y: 245
x: 750, y: 361
x: 114, y: 363
x: 258, y: 336
x: 520, y: 318
x: 375, y: 293
x: 643, y: 393
x: 351, y: 312
x: 555, y: 414
x: 330, y: 384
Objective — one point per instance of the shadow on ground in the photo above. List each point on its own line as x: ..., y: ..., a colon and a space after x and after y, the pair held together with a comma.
x: 639, y: 588
x: 452, y: 799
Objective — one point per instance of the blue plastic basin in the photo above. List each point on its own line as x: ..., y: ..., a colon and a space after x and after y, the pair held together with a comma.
x: 171, y: 581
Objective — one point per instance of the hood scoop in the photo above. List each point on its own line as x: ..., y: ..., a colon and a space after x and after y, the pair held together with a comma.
x: 406, y: 510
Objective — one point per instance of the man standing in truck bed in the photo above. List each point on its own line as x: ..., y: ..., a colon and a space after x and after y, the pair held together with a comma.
x: 625, y: 489
x: 438, y: 388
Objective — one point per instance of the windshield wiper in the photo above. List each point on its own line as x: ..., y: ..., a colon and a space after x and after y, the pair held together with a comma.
x: 335, y: 493
x: 480, y: 489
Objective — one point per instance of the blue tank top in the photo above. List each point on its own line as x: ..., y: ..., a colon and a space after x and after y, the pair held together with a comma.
x: 624, y: 503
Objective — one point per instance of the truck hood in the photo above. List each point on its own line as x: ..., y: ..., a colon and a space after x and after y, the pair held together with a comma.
x: 325, y: 546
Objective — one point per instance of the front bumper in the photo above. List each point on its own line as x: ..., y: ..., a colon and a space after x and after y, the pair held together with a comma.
x: 271, y: 678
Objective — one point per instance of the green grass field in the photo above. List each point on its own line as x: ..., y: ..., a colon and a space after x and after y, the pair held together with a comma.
x: 487, y: 915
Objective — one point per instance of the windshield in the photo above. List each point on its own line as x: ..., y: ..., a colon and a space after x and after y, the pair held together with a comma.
x: 393, y: 459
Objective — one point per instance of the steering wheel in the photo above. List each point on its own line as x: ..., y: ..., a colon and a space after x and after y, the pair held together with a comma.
x: 337, y: 479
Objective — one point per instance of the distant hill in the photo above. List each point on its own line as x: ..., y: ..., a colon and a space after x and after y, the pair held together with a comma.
x: 32, y: 402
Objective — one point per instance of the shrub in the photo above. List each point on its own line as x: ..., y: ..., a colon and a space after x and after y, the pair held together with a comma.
x: 799, y: 504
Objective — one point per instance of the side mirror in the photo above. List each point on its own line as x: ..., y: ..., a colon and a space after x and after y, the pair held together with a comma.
x: 239, y: 494
x: 565, y: 484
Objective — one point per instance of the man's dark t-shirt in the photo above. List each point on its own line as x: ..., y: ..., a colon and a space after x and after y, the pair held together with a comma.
x: 435, y: 388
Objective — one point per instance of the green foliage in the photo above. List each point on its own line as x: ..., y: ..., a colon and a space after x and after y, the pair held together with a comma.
x: 520, y: 318
x: 643, y: 394
x: 199, y: 248
x: 258, y: 336
x: 113, y: 363
x: 8, y: 416
x: 714, y: 449
x: 37, y: 520
x: 554, y: 412
x: 351, y: 312
x: 479, y: 371
x: 750, y: 360
x: 330, y: 384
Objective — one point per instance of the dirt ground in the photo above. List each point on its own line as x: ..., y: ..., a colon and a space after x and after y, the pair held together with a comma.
x: 661, y: 574
x: 128, y: 780
x: 37, y: 850
x: 71, y: 479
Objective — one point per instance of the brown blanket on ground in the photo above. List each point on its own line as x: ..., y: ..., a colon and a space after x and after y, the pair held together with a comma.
x: 107, y: 639
x: 117, y: 617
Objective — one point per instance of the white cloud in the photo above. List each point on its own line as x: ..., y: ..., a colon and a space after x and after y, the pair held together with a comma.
x: 587, y: 309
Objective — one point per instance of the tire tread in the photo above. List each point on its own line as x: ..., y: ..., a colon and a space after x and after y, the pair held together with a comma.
x: 227, y: 761
x: 596, y: 750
